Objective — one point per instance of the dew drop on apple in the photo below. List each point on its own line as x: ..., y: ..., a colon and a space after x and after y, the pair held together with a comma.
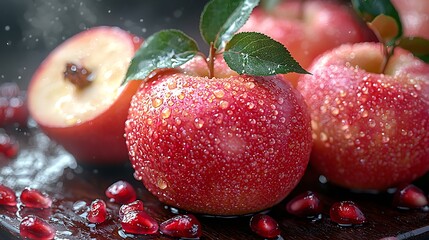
x: 323, y: 137
x: 161, y: 183
x: 223, y: 104
x: 165, y: 113
x: 335, y: 111
x: 198, y: 123
x: 219, y: 93
x: 385, y: 139
x: 371, y: 122
x: 250, y: 105
x: 156, y: 102
x: 218, y: 118
x: 172, y: 85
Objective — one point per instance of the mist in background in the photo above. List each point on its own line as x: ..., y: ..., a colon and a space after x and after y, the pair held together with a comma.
x: 30, y: 29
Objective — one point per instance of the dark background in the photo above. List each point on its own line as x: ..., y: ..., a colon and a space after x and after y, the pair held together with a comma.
x: 30, y: 29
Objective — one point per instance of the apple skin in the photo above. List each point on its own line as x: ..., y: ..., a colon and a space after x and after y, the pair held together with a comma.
x: 100, y: 139
x: 228, y: 145
x: 309, y: 28
x: 414, y: 16
x: 370, y: 130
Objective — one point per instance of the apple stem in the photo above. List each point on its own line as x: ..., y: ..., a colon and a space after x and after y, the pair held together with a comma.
x: 78, y: 75
x: 210, y: 60
x: 388, y: 53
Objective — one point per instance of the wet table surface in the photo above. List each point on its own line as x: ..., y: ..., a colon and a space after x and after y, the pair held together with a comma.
x: 43, y: 165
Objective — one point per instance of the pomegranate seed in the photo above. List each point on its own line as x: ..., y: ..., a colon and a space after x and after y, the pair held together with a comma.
x: 97, y: 212
x: 139, y: 222
x: 306, y: 204
x: 410, y: 197
x: 7, y: 196
x: 137, y: 205
x: 33, y: 198
x: 181, y: 226
x: 265, y: 226
x: 346, y: 213
x: 121, y: 192
x: 8, y: 146
x: 32, y: 227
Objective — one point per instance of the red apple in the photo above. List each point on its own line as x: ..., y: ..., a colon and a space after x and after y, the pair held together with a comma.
x: 370, y: 126
x: 225, y: 145
x: 76, y: 97
x: 309, y: 28
x: 414, y: 16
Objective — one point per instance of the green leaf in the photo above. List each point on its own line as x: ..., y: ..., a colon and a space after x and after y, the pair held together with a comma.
x: 164, y: 49
x: 221, y: 19
x: 370, y: 9
x: 416, y: 45
x: 257, y: 54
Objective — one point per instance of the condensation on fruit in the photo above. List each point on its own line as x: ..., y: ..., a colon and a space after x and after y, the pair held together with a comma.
x: 215, y: 131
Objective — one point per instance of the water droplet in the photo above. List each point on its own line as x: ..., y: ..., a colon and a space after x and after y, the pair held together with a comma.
x: 218, y: 118
x: 156, y: 102
x: 161, y: 183
x: 385, y: 139
x: 7, y: 28
x: 178, y: 121
x: 181, y: 96
x: 165, y: 113
x: 149, y: 121
x: 323, y: 137
x: 347, y: 135
x: 223, y: 104
x: 371, y: 122
x: 172, y: 85
x: 250, y: 85
x: 226, y: 85
x: 198, y: 123
x: 219, y: 93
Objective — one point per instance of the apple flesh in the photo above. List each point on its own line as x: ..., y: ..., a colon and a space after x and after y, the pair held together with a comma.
x: 414, y: 16
x: 370, y: 126
x: 227, y: 145
x: 309, y: 28
x: 76, y: 97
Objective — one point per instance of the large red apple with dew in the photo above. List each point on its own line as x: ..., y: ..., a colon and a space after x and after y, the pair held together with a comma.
x: 370, y: 123
x: 76, y: 97
x: 203, y: 138
x: 309, y: 28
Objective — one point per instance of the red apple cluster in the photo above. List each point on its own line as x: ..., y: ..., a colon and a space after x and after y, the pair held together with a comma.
x: 201, y: 132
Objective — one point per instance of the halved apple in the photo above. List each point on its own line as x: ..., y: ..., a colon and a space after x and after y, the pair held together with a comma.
x: 76, y: 97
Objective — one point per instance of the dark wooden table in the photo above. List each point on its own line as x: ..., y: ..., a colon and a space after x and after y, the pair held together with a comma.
x: 43, y: 165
